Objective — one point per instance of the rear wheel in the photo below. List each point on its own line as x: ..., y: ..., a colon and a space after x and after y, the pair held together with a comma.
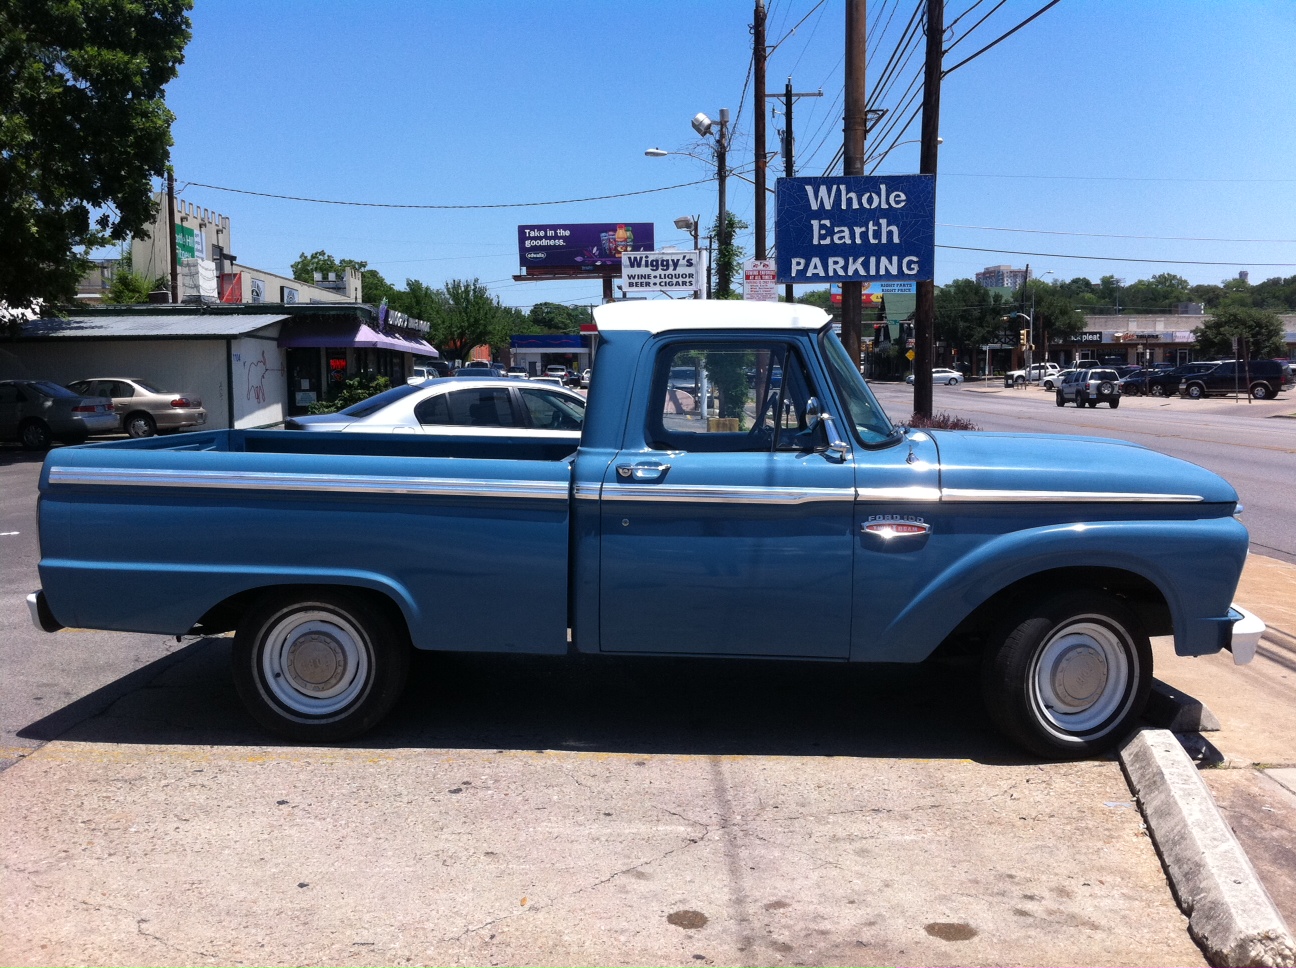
x: 1114, y: 402
x: 1060, y: 401
x: 34, y: 435
x: 139, y: 425
x: 1195, y: 391
x: 1156, y: 391
x: 1260, y: 391
x: 1093, y: 404
x: 319, y: 668
x: 1019, y: 381
x: 1070, y: 675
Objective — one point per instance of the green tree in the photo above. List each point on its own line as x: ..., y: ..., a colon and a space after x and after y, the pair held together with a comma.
x: 1262, y: 330
x: 550, y: 317
x: 818, y: 297
x: 128, y: 287
x: 968, y: 315
x: 1155, y: 295
x: 84, y: 130
x: 470, y: 319
x: 419, y: 300
x: 728, y: 257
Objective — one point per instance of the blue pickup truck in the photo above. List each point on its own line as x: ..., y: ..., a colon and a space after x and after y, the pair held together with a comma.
x: 768, y: 508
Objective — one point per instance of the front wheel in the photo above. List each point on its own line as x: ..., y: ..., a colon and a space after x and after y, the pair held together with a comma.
x: 139, y: 425
x: 35, y: 435
x: 1114, y: 402
x: 319, y: 668
x: 1060, y: 400
x: 1070, y: 676
x: 1156, y: 391
x: 1093, y: 404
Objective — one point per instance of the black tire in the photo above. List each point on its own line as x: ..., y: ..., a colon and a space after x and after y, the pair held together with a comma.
x: 319, y: 668
x: 1156, y: 391
x: 1260, y: 391
x: 1019, y: 381
x: 1070, y: 675
x: 1093, y: 404
x: 1194, y: 391
x: 139, y: 424
x: 951, y: 382
x: 1114, y: 402
x: 1060, y: 401
x: 1079, y: 402
x: 34, y: 435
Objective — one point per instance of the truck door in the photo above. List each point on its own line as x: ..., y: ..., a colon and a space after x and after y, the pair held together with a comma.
x: 720, y: 533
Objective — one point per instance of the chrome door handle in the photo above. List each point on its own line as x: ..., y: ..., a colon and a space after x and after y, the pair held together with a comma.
x: 644, y: 470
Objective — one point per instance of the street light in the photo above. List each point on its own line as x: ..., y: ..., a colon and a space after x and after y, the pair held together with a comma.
x: 689, y: 223
x: 704, y: 126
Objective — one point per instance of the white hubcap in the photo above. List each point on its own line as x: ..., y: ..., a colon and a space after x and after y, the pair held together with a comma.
x: 1082, y: 675
x: 315, y: 662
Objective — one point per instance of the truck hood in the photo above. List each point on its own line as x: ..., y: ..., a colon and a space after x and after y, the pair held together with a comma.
x: 1047, y: 462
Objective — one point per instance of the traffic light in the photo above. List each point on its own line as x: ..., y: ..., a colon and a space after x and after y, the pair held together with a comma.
x: 1025, y: 337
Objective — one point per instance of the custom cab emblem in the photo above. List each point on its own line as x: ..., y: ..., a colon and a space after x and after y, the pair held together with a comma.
x: 890, y: 526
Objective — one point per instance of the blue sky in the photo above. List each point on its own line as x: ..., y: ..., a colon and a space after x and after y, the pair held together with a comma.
x: 1134, y: 129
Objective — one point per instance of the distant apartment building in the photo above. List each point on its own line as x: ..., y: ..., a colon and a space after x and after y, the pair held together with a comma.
x: 1003, y: 277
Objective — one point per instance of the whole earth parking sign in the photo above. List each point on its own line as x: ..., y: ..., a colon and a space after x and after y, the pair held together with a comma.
x: 854, y: 228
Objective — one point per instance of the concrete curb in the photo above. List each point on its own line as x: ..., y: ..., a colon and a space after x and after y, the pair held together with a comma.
x: 1229, y: 912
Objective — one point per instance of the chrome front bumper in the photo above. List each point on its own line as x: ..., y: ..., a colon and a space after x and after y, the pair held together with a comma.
x: 41, y: 615
x: 1247, y: 629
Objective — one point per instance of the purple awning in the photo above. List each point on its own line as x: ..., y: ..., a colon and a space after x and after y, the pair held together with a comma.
x: 336, y: 334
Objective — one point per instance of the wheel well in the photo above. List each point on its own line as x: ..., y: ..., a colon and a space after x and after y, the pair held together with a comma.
x: 137, y: 413
x: 225, y: 616
x: 972, y: 634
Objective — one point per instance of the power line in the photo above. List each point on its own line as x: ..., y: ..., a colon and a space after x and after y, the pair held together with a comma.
x: 1107, y: 235
x: 770, y: 50
x: 329, y: 201
x: 1044, y: 9
x: 1115, y: 258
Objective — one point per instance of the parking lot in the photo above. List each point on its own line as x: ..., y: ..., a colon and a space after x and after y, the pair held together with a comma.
x: 547, y: 811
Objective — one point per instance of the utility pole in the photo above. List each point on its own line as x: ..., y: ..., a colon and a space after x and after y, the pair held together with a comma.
x: 758, y: 73
x: 725, y: 282
x: 925, y: 310
x: 789, y: 170
x: 171, y: 239
x: 852, y: 311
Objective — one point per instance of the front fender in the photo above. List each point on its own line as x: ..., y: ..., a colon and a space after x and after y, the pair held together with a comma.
x: 1194, y: 564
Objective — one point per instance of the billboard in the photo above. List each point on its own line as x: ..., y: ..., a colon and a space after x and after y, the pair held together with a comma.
x: 583, y: 246
x: 856, y: 228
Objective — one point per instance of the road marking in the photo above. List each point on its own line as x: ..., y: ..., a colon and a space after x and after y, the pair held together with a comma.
x: 6, y: 534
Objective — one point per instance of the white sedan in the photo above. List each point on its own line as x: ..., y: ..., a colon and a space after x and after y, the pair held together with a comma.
x: 942, y: 375
x: 469, y: 406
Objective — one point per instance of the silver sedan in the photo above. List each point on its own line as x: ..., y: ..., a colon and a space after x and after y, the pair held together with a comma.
x: 479, y: 407
x: 941, y: 375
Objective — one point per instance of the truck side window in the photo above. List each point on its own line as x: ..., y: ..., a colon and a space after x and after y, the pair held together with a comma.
x: 728, y: 397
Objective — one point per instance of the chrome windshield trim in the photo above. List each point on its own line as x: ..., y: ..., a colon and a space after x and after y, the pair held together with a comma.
x: 971, y: 495
x: 331, y: 483
x: 916, y: 493
x: 707, y: 494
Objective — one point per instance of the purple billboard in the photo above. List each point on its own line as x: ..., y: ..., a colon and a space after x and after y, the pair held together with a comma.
x: 585, y: 246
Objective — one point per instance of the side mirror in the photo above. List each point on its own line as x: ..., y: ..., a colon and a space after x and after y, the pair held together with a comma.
x: 820, y: 435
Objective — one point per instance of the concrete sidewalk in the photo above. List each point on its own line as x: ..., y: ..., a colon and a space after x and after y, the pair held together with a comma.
x: 1249, y: 764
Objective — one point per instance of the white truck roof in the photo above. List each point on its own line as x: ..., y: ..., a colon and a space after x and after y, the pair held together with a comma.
x: 665, y: 315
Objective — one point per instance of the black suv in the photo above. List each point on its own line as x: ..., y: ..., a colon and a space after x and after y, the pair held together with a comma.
x: 1166, y: 383
x: 1090, y: 387
x: 1262, y: 379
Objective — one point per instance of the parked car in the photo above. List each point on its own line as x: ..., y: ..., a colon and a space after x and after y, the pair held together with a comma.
x: 1165, y: 383
x: 482, y: 371
x: 37, y: 412
x: 142, y: 409
x: 488, y: 406
x: 941, y: 375
x: 1035, y: 373
x: 429, y: 370
x: 1052, y: 382
x: 519, y: 372
x: 1262, y: 379
x: 1090, y: 387
x: 553, y: 381
x: 585, y: 377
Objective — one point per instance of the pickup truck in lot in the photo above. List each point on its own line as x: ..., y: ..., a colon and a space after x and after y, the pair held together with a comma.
x: 740, y: 515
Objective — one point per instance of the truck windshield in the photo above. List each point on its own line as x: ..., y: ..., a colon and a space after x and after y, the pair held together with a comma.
x: 867, y: 417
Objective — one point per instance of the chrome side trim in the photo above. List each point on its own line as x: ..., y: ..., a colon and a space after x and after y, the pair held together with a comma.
x: 708, y: 494
x: 586, y: 492
x: 967, y: 495
x: 331, y: 483
x: 918, y: 493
